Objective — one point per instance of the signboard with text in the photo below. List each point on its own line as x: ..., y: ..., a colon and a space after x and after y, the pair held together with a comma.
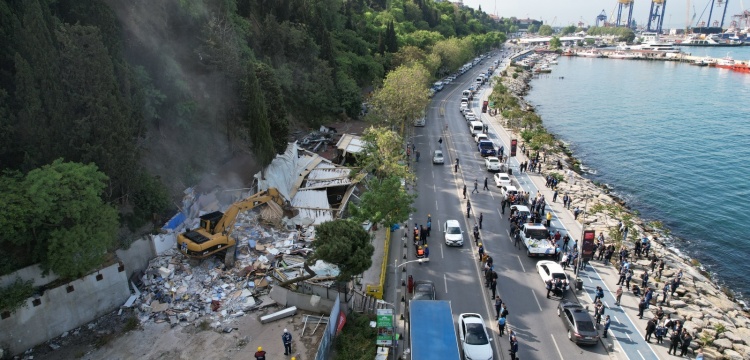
x: 385, y: 327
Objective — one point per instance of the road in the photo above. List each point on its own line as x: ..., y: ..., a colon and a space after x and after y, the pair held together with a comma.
x: 456, y: 271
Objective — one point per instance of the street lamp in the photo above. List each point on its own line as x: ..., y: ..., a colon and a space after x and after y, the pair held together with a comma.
x: 395, y: 288
x: 579, y: 264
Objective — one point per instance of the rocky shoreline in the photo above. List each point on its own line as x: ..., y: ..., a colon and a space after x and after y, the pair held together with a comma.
x: 720, y: 324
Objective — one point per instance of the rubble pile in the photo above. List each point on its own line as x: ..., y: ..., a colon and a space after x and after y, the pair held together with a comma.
x: 183, y: 291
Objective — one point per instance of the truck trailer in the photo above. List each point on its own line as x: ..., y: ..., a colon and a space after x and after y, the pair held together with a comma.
x: 432, y: 333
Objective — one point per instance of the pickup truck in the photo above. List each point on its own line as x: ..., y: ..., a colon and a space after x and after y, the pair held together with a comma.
x: 486, y: 148
x: 534, y: 237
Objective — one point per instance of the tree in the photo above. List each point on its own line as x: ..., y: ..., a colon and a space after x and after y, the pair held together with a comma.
x: 255, y: 123
x: 570, y: 29
x: 532, y: 28
x: 403, y: 96
x: 386, y: 202
x: 58, y: 214
x: 382, y: 154
x: 276, y: 114
x: 555, y: 43
x: 545, y: 30
x: 343, y: 243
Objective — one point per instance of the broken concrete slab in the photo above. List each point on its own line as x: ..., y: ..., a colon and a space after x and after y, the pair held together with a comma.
x: 290, y: 311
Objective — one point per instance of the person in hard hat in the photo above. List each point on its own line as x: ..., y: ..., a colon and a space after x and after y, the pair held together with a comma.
x: 260, y: 354
x: 420, y: 252
x: 286, y: 338
x: 481, y: 252
x: 426, y: 251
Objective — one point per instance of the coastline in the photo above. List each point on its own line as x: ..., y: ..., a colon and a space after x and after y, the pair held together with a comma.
x: 710, y: 310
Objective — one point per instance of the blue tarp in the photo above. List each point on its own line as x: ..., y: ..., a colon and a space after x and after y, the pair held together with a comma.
x: 174, y: 222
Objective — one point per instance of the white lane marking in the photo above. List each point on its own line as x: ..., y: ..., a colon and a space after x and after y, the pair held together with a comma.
x: 537, y: 300
x: 628, y: 336
x: 441, y: 251
x: 434, y: 189
x: 519, y: 261
x: 445, y: 279
x: 558, y: 349
x: 617, y: 321
x: 639, y: 353
x: 433, y: 177
x: 436, y: 205
x: 606, y: 305
x: 492, y: 196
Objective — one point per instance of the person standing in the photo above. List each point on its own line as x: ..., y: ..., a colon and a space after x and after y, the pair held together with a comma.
x: 493, y: 284
x: 599, y: 293
x: 650, y: 328
x: 549, y: 219
x: 607, y: 322
x: 476, y: 187
x: 481, y: 217
x: 513, y: 348
x: 675, y: 285
x: 456, y: 167
x: 599, y: 312
x: 664, y: 292
x: 286, y: 338
x: 429, y: 225
x: 498, y: 307
x: 501, y: 325
x: 480, y: 251
x: 261, y: 355
x: 644, y: 279
x: 440, y: 143
x: 549, y: 286
x: 566, y: 200
x: 674, y: 342
x: 426, y: 251
x: 554, y: 196
x: 618, y: 295
x: 485, y: 184
x: 641, y: 307
x: 628, y: 277
x: 468, y: 208
x: 686, y: 338
x: 464, y: 191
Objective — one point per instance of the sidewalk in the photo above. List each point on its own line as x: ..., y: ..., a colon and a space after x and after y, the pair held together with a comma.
x: 626, y: 336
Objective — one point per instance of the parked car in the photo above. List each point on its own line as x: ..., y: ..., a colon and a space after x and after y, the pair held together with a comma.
x: 454, y: 236
x: 508, y: 189
x: 502, y: 179
x: 480, y: 137
x: 579, y: 323
x: 521, y: 209
x: 437, y: 157
x: 424, y: 290
x: 464, y: 106
x: 420, y: 122
x: 492, y: 163
x: 551, y: 270
x: 475, y: 341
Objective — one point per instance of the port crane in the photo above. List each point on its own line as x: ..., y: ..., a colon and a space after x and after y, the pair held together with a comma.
x: 655, y: 16
x: 624, y: 5
x: 601, y: 17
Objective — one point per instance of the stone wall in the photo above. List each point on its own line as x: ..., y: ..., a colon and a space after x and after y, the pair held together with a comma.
x: 136, y: 257
x: 59, y: 310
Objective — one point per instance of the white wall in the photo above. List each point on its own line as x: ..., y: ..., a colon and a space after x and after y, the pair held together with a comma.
x: 61, y: 311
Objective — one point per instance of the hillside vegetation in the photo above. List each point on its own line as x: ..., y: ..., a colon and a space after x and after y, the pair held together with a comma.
x: 119, y: 104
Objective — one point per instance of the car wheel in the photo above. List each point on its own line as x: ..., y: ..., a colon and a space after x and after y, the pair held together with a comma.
x: 570, y: 335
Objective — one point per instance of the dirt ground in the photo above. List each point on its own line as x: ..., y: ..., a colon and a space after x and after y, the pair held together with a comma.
x: 109, y: 338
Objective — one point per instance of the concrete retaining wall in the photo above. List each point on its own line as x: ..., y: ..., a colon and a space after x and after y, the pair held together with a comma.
x: 33, y: 272
x: 136, y: 257
x: 312, y: 303
x: 59, y: 310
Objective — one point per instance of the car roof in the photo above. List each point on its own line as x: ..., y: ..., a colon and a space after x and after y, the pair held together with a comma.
x: 510, y: 187
x: 471, y: 318
x: 570, y: 305
x: 551, y: 265
x: 452, y: 223
x: 439, y: 152
x: 521, y: 208
x: 492, y: 158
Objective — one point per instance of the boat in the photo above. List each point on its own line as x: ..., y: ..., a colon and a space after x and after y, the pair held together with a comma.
x: 726, y: 62
x: 623, y: 55
x: 651, y: 42
x: 593, y: 53
x: 741, y: 67
x: 709, y: 42
x: 544, y: 69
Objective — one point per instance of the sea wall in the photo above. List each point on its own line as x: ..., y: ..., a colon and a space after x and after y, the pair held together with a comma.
x: 720, y: 325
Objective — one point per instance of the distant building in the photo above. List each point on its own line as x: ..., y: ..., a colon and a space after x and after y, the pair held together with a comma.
x: 523, y: 24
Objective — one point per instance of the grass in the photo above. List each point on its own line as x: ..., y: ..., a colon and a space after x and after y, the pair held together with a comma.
x: 131, y: 324
x: 204, y: 325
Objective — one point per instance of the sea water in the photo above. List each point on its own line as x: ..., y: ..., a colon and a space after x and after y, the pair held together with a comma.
x: 671, y: 139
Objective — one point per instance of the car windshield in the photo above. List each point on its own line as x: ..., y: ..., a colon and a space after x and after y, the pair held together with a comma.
x: 485, y: 145
x: 536, y: 233
x: 558, y: 276
x: 475, y: 334
x: 453, y: 230
x: 585, y: 326
x: 423, y: 292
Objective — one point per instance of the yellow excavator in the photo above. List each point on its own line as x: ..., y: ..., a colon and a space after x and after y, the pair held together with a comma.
x: 214, y: 234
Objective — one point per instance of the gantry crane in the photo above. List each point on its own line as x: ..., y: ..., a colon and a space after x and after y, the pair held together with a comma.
x: 601, y: 17
x: 624, y: 4
x: 655, y: 17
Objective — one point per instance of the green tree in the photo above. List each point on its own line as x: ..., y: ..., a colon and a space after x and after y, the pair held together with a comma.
x: 276, y: 114
x: 255, y: 123
x: 555, y: 43
x: 532, y: 29
x: 346, y: 244
x: 403, y: 96
x: 59, y: 216
x: 545, y: 30
x: 382, y: 154
x: 385, y: 202
x: 570, y: 29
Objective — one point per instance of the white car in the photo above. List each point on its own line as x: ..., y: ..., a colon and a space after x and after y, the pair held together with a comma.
x: 480, y: 137
x: 471, y: 117
x: 465, y: 111
x: 420, y: 122
x: 474, y: 338
x: 492, y: 163
x: 551, y: 270
x: 509, y: 190
x: 502, y: 179
x: 464, y: 106
x: 454, y: 236
x: 437, y: 157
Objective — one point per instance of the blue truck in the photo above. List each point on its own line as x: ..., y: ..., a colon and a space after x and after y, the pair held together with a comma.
x: 432, y: 334
x: 487, y: 148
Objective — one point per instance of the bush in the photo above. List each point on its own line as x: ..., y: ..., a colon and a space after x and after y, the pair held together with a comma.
x: 357, y: 339
x: 13, y: 296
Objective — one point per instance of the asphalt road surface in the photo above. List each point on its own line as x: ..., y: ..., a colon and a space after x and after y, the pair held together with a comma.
x: 456, y: 270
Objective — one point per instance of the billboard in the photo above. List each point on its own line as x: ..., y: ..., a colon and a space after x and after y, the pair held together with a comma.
x: 385, y: 327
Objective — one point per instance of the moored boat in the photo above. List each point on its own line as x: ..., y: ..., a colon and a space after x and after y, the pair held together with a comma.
x: 726, y: 62
x: 590, y: 53
x: 741, y: 67
x: 623, y: 55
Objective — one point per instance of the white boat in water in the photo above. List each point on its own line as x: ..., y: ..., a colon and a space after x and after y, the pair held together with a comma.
x: 651, y: 42
x: 623, y: 55
x: 593, y: 53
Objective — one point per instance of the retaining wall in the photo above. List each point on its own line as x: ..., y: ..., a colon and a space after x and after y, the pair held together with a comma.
x: 60, y: 309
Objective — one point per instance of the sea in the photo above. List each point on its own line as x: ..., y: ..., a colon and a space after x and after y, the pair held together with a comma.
x: 671, y: 139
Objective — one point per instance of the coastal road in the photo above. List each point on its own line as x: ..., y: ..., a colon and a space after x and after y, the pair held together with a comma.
x: 456, y: 271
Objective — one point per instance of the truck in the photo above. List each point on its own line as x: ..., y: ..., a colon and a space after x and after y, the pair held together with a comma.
x: 486, y: 148
x: 432, y: 333
x: 214, y: 235
x: 535, y: 238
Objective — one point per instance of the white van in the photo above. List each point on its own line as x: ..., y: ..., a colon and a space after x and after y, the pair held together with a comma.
x: 438, y: 86
x: 476, y: 127
x: 466, y: 94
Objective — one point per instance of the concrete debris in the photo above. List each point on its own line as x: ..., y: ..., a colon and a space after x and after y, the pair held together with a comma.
x: 179, y: 290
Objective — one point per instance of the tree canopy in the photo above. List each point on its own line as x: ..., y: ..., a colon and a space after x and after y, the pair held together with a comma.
x: 385, y: 202
x: 403, y: 96
x: 343, y: 243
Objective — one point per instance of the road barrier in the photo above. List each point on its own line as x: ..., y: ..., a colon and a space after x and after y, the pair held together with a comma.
x: 376, y: 291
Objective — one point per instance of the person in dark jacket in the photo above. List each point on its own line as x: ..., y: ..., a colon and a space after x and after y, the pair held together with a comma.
x: 686, y: 338
x: 607, y: 322
x: 650, y: 328
x: 286, y: 338
x: 261, y: 355
x: 674, y: 343
x: 641, y: 307
x: 513, y: 348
